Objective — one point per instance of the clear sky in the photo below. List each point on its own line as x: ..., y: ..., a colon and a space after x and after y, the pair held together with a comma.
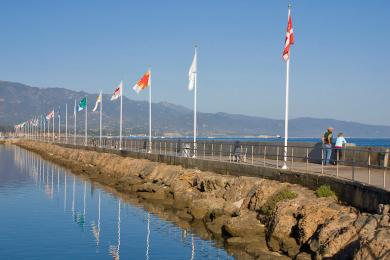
x: 339, y: 63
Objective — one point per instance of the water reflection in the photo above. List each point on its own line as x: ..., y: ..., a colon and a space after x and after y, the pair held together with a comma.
x: 115, y: 226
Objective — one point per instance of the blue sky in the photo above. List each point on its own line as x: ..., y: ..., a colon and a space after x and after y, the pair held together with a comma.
x: 339, y: 66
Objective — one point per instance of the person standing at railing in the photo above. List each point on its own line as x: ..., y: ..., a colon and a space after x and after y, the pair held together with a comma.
x: 327, y: 145
x: 340, y: 142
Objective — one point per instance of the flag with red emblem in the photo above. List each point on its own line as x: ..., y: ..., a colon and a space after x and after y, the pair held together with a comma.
x: 289, y: 38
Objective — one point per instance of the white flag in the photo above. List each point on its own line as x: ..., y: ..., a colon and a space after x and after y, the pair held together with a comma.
x: 98, y: 100
x: 117, y: 92
x: 192, y: 74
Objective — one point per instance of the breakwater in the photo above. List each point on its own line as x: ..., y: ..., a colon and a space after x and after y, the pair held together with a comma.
x: 241, y: 210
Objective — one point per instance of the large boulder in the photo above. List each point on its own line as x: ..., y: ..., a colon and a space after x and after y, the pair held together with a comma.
x: 246, y: 224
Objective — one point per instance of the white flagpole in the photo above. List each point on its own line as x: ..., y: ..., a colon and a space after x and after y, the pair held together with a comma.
x: 59, y: 126
x: 120, y: 123
x: 195, y: 105
x: 75, y: 121
x: 53, y: 124
x: 44, y: 128
x: 86, y: 121
x: 66, y: 123
x: 100, y: 123
x: 150, y: 111
x: 286, y: 105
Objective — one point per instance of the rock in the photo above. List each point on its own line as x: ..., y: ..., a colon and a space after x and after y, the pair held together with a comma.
x: 244, y: 225
x: 383, y: 209
x: 237, y: 189
x: 334, y: 235
x: 366, y: 225
x: 230, y: 209
x: 280, y: 227
x: 303, y: 256
x: 259, y: 194
x: 201, y: 207
x: 313, y: 214
x: 376, y: 248
x: 238, y: 204
x: 215, y: 226
x: 183, y: 214
x: 242, y: 241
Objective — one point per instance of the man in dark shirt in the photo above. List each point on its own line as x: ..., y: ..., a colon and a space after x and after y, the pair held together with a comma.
x: 327, y: 142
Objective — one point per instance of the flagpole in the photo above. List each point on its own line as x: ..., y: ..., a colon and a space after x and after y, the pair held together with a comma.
x: 150, y: 111
x: 66, y: 123
x: 120, y: 123
x: 53, y: 124
x: 86, y: 121
x: 59, y: 126
x: 100, y: 123
x: 75, y: 121
x: 195, y: 105
x: 44, y: 128
x: 286, y: 105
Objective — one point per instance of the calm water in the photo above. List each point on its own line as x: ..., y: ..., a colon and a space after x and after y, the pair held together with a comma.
x: 49, y: 213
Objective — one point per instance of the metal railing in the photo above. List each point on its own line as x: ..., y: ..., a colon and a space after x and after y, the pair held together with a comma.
x: 365, y: 165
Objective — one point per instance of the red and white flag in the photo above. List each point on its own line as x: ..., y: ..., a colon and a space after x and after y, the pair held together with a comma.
x: 118, y: 92
x: 289, y: 38
x: 143, y: 83
x: 50, y: 115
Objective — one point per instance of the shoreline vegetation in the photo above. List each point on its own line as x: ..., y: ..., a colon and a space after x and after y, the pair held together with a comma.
x: 251, y: 217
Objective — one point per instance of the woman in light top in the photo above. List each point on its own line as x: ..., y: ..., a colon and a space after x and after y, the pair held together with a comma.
x: 340, y: 142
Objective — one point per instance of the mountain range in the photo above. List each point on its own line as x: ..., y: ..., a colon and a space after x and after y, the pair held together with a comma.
x: 19, y: 102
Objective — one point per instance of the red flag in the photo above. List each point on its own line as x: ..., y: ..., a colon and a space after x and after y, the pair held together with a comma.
x: 143, y: 83
x: 289, y: 38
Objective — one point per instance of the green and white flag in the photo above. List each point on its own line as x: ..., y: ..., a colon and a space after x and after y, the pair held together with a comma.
x: 82, y: 105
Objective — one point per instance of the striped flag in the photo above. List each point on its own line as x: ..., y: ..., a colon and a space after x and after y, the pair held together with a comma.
x: 117, y: 92
x: 143, y: 83
x: 289, y: 38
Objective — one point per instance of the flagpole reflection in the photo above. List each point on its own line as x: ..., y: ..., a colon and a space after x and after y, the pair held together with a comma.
x: 192, y: 247
x: 148, y: 238
x: 115, y: 250
x: 96, y: 230
x: 64, y: 191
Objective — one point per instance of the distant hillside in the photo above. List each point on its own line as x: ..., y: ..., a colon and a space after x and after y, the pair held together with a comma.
x: 20, y: 102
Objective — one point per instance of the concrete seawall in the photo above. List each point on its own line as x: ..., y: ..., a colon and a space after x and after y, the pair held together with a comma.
x: 359, y: 195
